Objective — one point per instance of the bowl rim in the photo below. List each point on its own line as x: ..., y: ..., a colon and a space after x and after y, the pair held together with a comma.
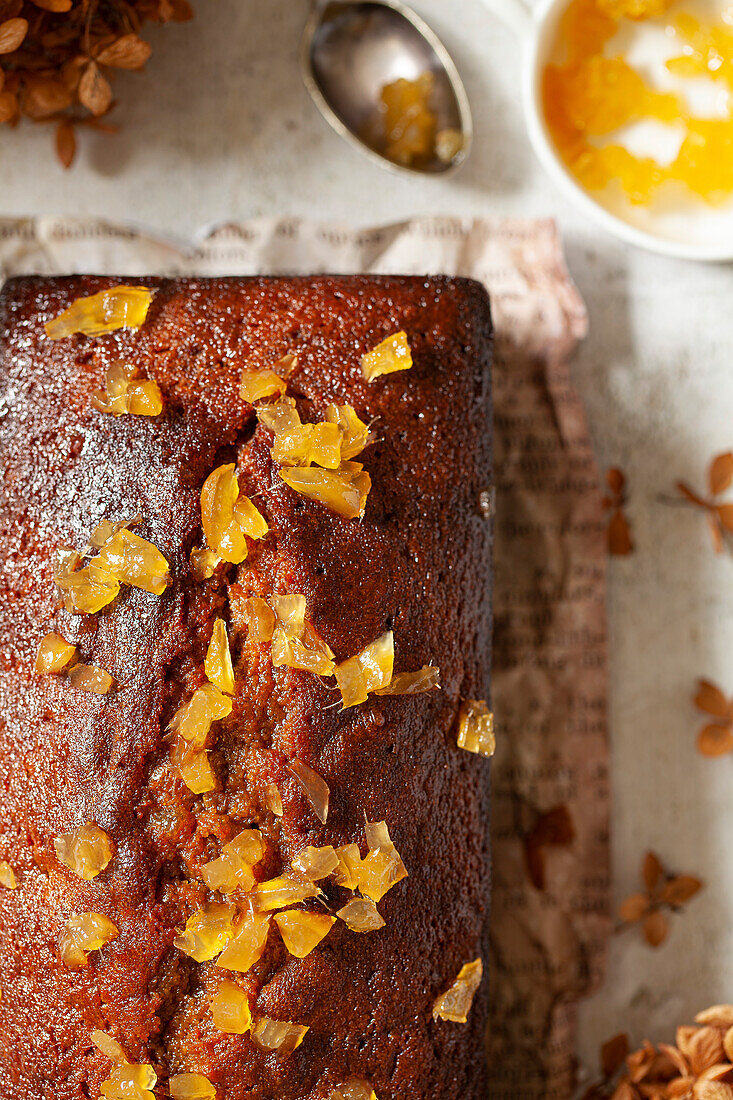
x: 544, y: 148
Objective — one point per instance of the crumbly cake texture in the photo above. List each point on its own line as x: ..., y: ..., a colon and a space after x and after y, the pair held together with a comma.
x: 418, y: 563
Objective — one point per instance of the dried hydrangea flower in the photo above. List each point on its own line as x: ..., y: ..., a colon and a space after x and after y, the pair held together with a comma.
x: 218, y: 663
x: 54, y: 655
x: 7, y: 875
x: 361, y: 915
x: 456, y: 1002
x: 191, y: 1086
x: 112, y: 309
x: 130, y: 1082
x: 86, y: 851
x: 278, y: 1035
x: 369, y: 670
x: 476, y: 728
x: 90, y: 678
x: 230, y: 1009
x: 248, y: 943
x: 302, y: 931
x: 83, y: 934
x: 392, y: 354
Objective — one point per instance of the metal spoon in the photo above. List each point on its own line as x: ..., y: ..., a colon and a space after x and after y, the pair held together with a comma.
x: 351, y: 49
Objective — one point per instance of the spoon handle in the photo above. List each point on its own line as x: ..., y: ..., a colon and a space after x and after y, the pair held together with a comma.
x: 514, y: 14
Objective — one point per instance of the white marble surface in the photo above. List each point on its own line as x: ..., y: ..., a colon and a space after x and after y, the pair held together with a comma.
x: 220, y: 127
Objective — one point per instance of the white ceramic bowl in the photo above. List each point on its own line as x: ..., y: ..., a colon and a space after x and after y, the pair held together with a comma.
x: 697, y: 232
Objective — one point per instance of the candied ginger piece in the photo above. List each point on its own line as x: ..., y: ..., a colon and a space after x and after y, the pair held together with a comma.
x: 273, y: 800
x: 86, y: 851
x: 348, y: 872
x: 108, y: 1046
x: 289, y: 652
x: 86, y: 590
x: 125, y: 393
x: 54, y: 655
x: 130, y: 1082
x: 193, y: 720
x: 412, y: 683
x: 455, y: 1003
x: 315, y: 788
x: 191, y: 1086
x: 382, y: 868
x: 290, y: 612
x: 218, y: 663
x: 228, y: 518
x: 260, y: 619
x: 306, y: 444
x: 135, y: 561
x: 408, y: 124
x: 106, y: 529
x: 354, y: 1089
x: 392, y: 354
x: 250, y: 519
x: 361, y: 915
x: 7, y: 876
x: 369, y: 670
x: 248, y: 943
x: 90, y: 678
x: 230, y: 1009
x: 83, y: 934
x: 355, y: 435
x: 476, y: 728
x: 278, y: 1035
x: 344, y: 491
x: 196, y: 772
x: 112, y: 309
x: 257, y: 384
x: 316, y: 863
x: 203, y: 563
x: 281, y: 417
x: 302, y: 931
x: 233, y: 869
x: 287, y: 889
x: 207, y: 931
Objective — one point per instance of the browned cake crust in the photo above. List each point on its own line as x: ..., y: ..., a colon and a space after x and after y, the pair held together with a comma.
x: 419, y: 562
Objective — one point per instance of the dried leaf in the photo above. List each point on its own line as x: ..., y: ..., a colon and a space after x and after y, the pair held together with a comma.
x: 95, y: 92
x: 652, y: 871
x: 614, y: 1052
x: 65, y: 143
x: 12, y: 33
x: 128, y: 52
x: 656, y: 928
x: 633, y: 908
x: 714, y: 740
x: 724, y: 513
x: 710, y: 699
x: 720, y: 474
x: 680, y: 889
x: 620, y: 542
x: 616, y: 481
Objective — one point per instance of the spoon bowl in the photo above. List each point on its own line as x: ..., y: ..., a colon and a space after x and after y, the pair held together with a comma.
x: 352, y: 49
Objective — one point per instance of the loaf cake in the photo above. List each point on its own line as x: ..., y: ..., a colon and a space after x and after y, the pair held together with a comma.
x: 245, y: 549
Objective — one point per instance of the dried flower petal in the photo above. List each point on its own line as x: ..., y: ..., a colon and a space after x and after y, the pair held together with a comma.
x: 191, y: 1086
x: 207, y: 932
x: 86, y: 851
x: 94, y: 90
x: 476, y: 728
x: 455, y: 1003
x: 54, y: 655
x: 302, y: 931
x: 656, y: 928
x: 315, y: 788
x: 129, y: 51
x: 90, y: 678
x: 12, y: 33
x: 620, y: 542
x: 83, y: 934
x: 218, y: 663
x: 112, y: 309
x: 108, y: 1046
x: 361, y: 915
x: 7, y: 876
x: 248, y: 943
x: 369, y: 670
x: 392, y: 354
x: 412, y: 683
x: 130, y: 1082
x: 720, y: 473
x: 278, y: 1035
x: 230, y: 1009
